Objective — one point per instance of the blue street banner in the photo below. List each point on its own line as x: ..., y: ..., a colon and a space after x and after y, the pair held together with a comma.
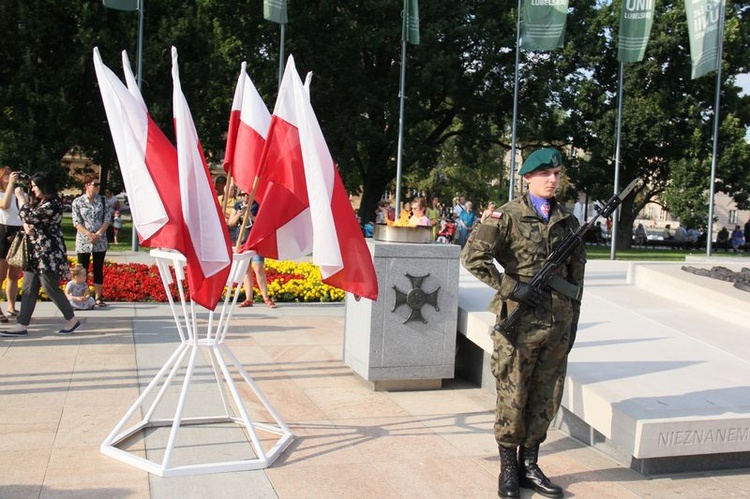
x: 543, y: 24
x: 275, y: 11
x: 636, y: 19
x: 703, y: 18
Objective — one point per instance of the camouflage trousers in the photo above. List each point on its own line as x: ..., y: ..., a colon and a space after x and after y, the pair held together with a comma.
x: 530, y: 376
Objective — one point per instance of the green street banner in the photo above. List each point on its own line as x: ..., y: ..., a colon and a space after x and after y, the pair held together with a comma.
x: 543, y: 24
x: 410, y: 27
x: 636, y: 19
x: 128, y: 5
x: 275, y: 11
x: 703, y: 18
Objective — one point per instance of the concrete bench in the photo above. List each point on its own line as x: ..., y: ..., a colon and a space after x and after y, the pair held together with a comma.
x: 659, y: 374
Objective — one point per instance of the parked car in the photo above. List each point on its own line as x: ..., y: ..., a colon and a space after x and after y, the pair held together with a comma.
x: 655, y: 234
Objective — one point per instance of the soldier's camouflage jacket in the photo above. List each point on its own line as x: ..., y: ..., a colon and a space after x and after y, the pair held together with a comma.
x: 517, y: 237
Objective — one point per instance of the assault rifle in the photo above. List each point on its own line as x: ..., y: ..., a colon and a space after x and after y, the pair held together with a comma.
x: 560, y: 255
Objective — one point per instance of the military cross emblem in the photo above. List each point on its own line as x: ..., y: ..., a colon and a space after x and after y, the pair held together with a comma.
x: 416, y: 298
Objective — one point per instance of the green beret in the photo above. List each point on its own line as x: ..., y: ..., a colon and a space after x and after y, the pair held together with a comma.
x: 541, y: 159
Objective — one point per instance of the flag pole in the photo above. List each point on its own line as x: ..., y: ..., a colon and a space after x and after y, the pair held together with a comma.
x: 400, y: 126
x: 512, y: 168
x: 138, y: 79
x: 616, y: 214
x: 275, y: 11
x: 129, y: 6
x: 409, y: 33
x: 281, y: 52
x: 710, y: 228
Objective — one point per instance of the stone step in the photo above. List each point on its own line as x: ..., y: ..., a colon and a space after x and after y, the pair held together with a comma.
x: 658, y: 375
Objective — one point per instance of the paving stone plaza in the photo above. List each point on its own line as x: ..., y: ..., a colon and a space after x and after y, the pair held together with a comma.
x: 640, y: 355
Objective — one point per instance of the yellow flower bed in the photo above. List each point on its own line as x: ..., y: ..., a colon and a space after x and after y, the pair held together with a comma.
x: 298, y: 282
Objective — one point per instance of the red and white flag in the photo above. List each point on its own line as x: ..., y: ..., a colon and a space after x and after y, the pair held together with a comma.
x: 315, y: 212
x: 248, y: 126
x: 308, y: 80
x: 208, y: 250
x: 148, y: 160
x: 282, y: 228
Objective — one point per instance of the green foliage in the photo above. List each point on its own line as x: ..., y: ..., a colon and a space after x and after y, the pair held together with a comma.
x: 687, y: 195
x: 45, y: 85
x: 667, y: 118
x: 459, y: 91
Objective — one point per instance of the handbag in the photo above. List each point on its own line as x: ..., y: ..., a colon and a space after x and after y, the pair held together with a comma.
x: 18, y: 253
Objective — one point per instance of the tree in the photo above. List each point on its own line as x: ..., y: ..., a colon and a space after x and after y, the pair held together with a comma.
x: 451, y: 88
x: 666, y: 122
x: 45, y: 91
x: 48, y: 92
x: 459, y: 90
x: 455, y: 174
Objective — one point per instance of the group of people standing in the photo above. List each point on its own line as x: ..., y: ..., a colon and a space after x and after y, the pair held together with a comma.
x: 36, y: 210
x: 451, y: 224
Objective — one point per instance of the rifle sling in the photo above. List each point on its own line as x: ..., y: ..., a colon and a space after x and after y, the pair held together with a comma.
x: 565, y: 288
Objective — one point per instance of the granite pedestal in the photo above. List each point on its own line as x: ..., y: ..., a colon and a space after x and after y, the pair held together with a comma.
x: 407, y: 338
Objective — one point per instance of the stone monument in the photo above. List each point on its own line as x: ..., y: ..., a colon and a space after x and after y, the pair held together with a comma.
x: 407, y: 338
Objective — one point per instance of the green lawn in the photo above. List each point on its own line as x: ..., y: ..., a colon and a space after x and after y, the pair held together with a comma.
x: 125, y: 237
x: 653, y: 254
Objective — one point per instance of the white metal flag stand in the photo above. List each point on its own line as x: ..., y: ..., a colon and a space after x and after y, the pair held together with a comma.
x: 213, y: 346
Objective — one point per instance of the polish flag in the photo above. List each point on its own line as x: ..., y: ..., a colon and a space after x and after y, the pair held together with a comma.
x: 208, y: 251
x: 307, y: 205
x: 282, y: 229
x: 248, y: 126
x: 148, y: 160
x: 308, y: 80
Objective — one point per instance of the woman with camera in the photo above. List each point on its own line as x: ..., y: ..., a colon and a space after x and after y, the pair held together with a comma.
x: 10, y: 224
x: 41, y: 214
x: 91, y: 217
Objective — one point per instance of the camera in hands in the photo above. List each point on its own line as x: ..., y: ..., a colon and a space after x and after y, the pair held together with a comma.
x: 22, y: 180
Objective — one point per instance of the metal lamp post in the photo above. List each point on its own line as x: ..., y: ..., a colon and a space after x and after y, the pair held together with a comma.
x: 130, y: 6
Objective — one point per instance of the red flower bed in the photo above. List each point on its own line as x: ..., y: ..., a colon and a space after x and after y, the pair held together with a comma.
x: 138, y: 282
x: 134, y: 282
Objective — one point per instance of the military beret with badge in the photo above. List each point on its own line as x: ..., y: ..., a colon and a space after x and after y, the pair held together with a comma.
x: 541, y: 159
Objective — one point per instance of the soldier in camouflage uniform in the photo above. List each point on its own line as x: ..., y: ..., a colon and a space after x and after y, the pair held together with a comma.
x: 529, y: 362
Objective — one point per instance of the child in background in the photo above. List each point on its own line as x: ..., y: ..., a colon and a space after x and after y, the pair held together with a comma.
x: 77, y: 290
x: 117, y: 224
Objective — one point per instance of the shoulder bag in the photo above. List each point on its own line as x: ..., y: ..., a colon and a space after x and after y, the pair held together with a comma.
x: 18, y: 252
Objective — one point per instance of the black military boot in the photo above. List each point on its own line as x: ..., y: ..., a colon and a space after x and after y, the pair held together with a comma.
x: 531, y: 477
x: 508, y: 479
